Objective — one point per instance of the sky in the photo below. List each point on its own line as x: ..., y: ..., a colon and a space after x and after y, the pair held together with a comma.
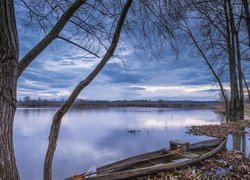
x: 58, y: 69
x: 136, y: 76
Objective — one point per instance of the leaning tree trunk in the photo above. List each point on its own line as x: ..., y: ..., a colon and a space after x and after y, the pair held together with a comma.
x: 57, y: 119
x: 8, y: 83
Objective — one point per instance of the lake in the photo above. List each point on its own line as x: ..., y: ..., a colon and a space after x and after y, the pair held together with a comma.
x: 94, y: 137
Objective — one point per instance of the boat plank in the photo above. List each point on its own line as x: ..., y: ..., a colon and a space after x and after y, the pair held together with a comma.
x: 134, y: 159
x: 126, y: 165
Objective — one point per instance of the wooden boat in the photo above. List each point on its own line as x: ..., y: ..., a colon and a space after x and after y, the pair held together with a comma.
x: 180, y: 154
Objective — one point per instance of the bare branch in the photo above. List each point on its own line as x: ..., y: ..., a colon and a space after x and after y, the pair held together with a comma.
x: 189, y: 32
x: 71, y: 42
x: 53, y: 34
x: 88, y: 30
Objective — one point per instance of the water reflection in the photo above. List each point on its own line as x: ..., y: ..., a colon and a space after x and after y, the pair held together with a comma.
x: 240, y: 143
x: 93, y: 137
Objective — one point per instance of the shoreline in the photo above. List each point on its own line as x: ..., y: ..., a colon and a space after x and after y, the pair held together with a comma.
x: 223, y: 165
x: 216, y: 105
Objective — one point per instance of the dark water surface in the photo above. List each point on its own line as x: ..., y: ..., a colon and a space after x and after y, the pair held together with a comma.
x: 94, y: 137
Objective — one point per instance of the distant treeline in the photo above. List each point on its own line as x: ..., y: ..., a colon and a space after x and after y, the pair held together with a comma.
x: 135, y: 103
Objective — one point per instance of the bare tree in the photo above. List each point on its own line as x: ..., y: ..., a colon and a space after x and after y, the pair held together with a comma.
x: 247, y: 21
x: 54, y: 132
x: 217, y: 25
x: 71, y: 15
x: 186, y: 28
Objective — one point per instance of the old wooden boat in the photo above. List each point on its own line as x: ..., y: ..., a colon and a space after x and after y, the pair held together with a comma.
x: 180, y: 154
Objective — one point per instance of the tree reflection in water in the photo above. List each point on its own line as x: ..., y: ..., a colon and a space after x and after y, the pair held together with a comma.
x: 239, y: 143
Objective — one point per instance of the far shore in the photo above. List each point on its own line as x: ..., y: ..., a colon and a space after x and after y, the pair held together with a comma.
x: 216, y: 105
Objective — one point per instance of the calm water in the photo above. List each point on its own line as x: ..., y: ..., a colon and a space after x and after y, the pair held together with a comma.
x: 93, y: 137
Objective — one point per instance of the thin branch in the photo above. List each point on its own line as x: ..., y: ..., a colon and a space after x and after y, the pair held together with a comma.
x: 53, y: 34
x: 86, y: 30
x: 189, y: 32
x: 71, y: 42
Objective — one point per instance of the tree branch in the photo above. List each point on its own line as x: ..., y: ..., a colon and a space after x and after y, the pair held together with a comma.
x: 189, y: 32
x: 71, y: 42
x: 53, y: 34
x: 88, y: 31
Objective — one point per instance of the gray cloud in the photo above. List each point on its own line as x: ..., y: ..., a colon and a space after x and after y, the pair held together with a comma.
x: 58, y: 69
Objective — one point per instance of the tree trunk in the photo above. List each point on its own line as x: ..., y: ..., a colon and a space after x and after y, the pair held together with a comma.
x: 246, y: 85
x: 235, y: 54
x: 234, y: 99
x: 8, y: 169
x: 8, y: 83
x: 247, y: 17
x: 240, y: 76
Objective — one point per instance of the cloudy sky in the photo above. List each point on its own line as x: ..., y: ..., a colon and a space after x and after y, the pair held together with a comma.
x: 134, y: 76
x: 58, y: 69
